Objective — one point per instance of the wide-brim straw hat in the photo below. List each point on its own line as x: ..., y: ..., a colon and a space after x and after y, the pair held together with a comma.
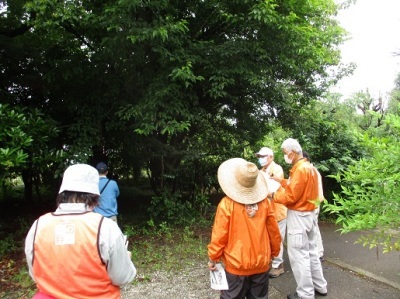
x: 242, y: 181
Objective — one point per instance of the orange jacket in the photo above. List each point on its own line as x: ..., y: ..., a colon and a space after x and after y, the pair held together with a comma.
x: 300, y: 192
x: 244, y: 244
x: 275, y: 170
x: 67, y: 262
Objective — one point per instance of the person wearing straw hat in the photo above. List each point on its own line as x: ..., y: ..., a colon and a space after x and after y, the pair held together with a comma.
x: 271, y: 169
x: 245, y: 234
x: 74, y: 252
x: 299, y: 194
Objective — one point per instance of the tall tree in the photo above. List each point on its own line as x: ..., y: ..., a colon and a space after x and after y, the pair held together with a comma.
x: 148, y: 77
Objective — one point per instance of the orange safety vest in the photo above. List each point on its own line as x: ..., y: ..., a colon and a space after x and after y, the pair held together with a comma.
x: 66, y: 257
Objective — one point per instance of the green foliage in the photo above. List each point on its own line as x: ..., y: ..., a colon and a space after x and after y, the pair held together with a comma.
x: 12, y: 242
x: 174, y: 209
x: 370, y: 110
x: 14, y: 269
x: 394, y: 102
x: 166, y: 247
x: 14, y: 138
x: 369, y: 197
x: 26, y: 143
x: 25, y: 286
x: 142, y: 82
x: 154, y: 246
x: 165, y: 88
x: 8, y: 245
x: 328, y: 131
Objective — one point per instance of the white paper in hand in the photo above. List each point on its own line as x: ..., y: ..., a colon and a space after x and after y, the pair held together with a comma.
x: 218, y: 278
x: 273, y: 185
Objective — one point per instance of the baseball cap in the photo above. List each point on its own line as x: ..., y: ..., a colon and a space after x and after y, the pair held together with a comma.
x: 101, y: 167
x: 265, y: 151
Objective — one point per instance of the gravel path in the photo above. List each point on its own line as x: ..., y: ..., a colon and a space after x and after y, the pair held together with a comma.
x: 191, y: 283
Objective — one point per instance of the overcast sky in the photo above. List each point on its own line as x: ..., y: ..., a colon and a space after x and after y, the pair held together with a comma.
x: 374, y: 27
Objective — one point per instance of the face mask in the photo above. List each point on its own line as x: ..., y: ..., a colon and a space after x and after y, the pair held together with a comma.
x: 287, y: 160
x: 262, y: 160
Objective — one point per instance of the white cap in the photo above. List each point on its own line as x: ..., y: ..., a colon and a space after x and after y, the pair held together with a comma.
x: 81, y: 178
x: 265, y: 151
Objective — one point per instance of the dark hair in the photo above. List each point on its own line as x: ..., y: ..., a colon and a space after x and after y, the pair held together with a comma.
x: 89, y: 199
x: 306, y: 155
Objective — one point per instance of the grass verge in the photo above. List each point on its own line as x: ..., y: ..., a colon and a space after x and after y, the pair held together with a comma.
x: 154, y: 247
x: 166, y: 248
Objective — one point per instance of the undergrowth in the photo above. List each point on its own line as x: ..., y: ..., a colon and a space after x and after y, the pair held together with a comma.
x: 177, y: 237
x: 154, y: 247
x: 167, y: 248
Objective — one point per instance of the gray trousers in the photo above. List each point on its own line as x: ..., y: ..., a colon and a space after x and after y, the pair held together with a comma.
x: 277, y: 261
x: 320, y: 245
x: 303, y: 254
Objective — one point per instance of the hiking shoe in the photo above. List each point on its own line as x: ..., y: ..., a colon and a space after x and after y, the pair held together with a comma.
x: 275, y: 272
x: 320, y: 293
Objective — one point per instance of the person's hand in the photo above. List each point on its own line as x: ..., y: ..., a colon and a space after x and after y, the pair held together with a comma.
x: 212, y: 265
x: 129, y: 254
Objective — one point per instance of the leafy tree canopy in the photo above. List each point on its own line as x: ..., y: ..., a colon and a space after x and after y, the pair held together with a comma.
x: 145, y: 79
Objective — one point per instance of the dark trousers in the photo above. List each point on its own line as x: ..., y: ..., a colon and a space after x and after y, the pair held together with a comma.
x: 249, y: 287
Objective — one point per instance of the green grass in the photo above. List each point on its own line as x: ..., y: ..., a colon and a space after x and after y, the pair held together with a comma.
x: 166, y: 247
x: 155, y: 245
x: 162, y: 246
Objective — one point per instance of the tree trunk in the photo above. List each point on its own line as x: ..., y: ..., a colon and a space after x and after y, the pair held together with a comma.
x: 28, y: 184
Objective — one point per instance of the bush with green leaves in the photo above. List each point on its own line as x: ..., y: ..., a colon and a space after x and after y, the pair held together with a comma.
x: 13, y: 137
x: 175, y: 209
x: 369, y: 199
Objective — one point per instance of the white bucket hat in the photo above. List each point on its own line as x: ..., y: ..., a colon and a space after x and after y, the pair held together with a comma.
x: 242, y: 181
x: 81, y: 178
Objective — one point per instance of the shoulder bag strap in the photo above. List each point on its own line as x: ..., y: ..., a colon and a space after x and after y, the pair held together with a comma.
x: 105, y: 186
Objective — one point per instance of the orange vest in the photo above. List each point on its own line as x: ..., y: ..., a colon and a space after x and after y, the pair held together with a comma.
x: 66, y: 257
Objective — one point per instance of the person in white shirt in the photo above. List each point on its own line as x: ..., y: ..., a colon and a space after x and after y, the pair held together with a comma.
x: 73, y: 247
x: 271, y: 169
